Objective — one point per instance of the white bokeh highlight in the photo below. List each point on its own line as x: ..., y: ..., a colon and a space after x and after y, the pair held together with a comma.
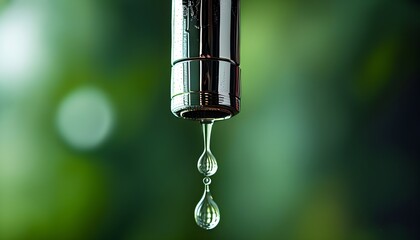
x: 85, y: 118
x: 22, y: 48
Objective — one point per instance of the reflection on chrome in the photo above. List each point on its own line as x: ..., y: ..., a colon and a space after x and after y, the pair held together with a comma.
x: 205, y: 82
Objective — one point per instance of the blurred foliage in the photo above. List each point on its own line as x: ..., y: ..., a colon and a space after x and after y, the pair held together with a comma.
x: 326, y: 145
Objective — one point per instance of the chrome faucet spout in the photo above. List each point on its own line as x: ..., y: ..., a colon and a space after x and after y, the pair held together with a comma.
x: 205, y: 81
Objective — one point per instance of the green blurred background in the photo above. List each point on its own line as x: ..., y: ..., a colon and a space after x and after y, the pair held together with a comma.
x: 326, y: 146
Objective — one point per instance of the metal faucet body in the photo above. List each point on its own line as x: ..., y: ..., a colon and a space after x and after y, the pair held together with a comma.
x: 205, y: 81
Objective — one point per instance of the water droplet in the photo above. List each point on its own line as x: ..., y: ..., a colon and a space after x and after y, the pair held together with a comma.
x: 206, y: 181
x: 207, y: 164
x: 207, y: 214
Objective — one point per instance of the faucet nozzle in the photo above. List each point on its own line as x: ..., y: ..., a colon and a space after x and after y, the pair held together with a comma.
x: 205, y: 82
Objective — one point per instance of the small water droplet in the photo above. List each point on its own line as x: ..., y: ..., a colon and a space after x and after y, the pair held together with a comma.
x: 207, y: 164
x: 206, y: 181
x: 207, y: 214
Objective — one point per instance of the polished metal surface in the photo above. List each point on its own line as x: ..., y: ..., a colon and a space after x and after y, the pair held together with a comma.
x: 205, y: 82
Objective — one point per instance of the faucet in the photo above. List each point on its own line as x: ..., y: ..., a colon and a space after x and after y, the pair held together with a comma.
x: 205, y: 79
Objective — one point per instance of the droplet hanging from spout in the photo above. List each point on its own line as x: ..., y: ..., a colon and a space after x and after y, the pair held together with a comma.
x: 207, y: 164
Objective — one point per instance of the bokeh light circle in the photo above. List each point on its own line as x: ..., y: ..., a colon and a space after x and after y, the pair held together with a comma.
x: 85, y: 118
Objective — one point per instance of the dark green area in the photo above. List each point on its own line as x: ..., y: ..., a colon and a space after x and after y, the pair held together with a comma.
x: 326, y: 146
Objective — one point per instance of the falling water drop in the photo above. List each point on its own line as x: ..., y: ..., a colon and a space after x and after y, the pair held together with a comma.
x: 207, y: 164
x: 207, y: 214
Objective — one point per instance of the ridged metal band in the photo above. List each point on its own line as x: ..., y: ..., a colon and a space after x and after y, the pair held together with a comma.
x: 206, y: 89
